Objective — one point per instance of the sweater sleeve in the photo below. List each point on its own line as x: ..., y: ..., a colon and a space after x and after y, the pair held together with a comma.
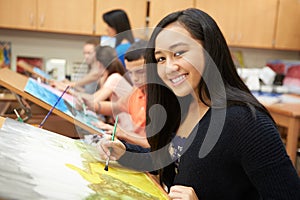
x: 264, y: 158
x: 137, y: 158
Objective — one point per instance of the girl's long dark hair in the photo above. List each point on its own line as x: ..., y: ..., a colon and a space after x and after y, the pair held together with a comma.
x: 108, y: 57
x: 119, y: 20
x: 202, y: 28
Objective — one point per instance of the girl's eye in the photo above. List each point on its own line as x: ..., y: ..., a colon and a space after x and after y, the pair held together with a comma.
x: 178, y: 53
x: 160, y: 59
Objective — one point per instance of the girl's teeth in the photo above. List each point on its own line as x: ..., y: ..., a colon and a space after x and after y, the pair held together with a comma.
x: 176, y: 80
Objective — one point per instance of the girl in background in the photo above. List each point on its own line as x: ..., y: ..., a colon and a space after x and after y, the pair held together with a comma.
x: 113, y: 84
x: 118, y: 26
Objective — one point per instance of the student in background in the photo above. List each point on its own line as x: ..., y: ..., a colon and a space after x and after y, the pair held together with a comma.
x: 118, y: 26
x: 113, y: 84
x: 134, y: 103
x: 90, y: 82
x: 210, y: 139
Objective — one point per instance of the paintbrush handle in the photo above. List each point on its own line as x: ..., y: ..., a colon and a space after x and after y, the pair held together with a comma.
x: 112, y: 139
x: 52, y: 108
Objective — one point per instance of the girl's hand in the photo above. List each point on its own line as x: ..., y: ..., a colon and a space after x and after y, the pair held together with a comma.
x: 88, y: 100
x: 103, y: 126
x: 58, y: 85
x: 182, y: 192
x: 78, y: 102
x: 83, y: 99
x: 113, y: 149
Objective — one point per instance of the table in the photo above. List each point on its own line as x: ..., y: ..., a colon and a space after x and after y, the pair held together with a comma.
x: 5, y: 101
x: 288, y: 115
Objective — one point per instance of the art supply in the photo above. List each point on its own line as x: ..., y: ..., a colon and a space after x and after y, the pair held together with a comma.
x: 94, y: 139
x: 50, y: 111
x: 18, y: 116
x: 83, y: 105
x: 112, y: 139
x: 84, y: 108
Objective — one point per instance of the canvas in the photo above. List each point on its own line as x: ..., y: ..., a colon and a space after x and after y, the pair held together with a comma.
x: 50, y: 95
x: 39, y: 164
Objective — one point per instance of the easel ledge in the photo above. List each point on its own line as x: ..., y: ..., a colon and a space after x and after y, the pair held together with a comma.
x: 2, y: 119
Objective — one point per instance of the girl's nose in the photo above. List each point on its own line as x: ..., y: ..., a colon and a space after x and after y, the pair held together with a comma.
x: 171, y: 66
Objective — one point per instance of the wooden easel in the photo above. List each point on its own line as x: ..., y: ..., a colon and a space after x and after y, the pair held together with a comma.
x: 58, y: 122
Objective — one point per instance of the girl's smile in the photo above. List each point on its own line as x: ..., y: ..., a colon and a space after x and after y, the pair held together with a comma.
x: 180, y: 59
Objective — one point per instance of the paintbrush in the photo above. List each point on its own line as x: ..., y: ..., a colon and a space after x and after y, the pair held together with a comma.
x: 112, y: 139
x: 50, y: 111
x: 83, y: 105
x: 84, y: 108
x: 18, y: 116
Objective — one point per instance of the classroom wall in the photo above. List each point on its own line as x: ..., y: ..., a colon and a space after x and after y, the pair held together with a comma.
x: 69, y: 47
x: 258, y: 57
x: 45, y: 45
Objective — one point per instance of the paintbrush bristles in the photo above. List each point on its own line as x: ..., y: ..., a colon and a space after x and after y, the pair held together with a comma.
x: 106, y: 164
x: 112, y: 139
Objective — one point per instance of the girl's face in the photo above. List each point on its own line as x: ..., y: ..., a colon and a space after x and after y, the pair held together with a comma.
x: 103, y: 71
x: 101, y: 67
x: 111, y: 32
x: 180, y: 59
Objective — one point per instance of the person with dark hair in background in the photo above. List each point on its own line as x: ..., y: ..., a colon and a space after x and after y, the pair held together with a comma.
x: 113, y: 83
x: 133, y: 103
x: 118, y: 26
x: 209, y: 136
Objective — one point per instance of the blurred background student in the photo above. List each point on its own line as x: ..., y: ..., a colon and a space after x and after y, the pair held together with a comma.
x: 134, y: 103
x: 118, y: 27
x: 113, y: 84
x: 90, y: 82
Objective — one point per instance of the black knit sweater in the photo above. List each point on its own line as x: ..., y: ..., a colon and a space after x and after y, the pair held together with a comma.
x: 248, y: 161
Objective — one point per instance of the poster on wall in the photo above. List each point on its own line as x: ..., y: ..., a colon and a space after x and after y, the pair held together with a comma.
x: 5, y: 54
x: 34, y: 62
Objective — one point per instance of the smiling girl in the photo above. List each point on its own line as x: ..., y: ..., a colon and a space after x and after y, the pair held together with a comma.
x: 210, y: 138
